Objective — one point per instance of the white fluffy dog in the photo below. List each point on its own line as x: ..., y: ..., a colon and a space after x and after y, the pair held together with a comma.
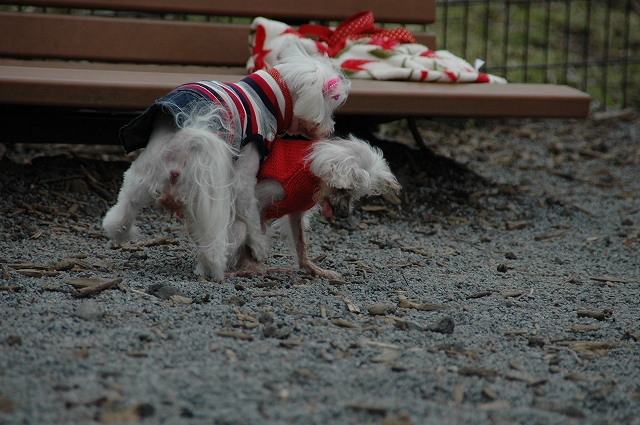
x: 192, y: 137
x: 297, y: 175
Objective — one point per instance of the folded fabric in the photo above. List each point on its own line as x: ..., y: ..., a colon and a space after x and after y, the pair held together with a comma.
x: 364, y: 51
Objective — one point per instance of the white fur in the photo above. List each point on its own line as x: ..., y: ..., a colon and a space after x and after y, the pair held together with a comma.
x: 204, y: 186
x: 307, y: 86
x: 351, y: 164
x: 191, y: 170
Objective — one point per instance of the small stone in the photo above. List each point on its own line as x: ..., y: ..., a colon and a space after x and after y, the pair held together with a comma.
x: 380, y: 309
x: 351, y: 223
x: 78, y: 186
x: 186, y: 413
x: 89, y: 310
x: 14, y: 340
x: 535, y: 341
x: 6, y: 405
x: 138, y: 256
x: 408, y: 325
x: 510, y: 256
x: 236, y: 300
x: 502, y: 268
x: 271, y: 331
x: 163, y: 291
x: 265, y: 318
x: 446, y: 325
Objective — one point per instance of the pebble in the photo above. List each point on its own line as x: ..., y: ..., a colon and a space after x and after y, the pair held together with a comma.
x: 89, y: 310
x: 380, y: 309
x: 446, y: 325
x: 163, y: 291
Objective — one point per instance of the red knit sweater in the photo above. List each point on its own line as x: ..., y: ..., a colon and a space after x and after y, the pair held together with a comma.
x: 285, y: 164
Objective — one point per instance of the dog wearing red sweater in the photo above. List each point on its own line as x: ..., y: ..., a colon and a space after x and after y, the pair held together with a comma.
x: 298, y: 175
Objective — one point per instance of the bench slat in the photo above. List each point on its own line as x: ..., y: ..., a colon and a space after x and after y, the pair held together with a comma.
x: 124, y: 40
x: 54, y: 36
x: 135, y: 90
x: 409, y: 11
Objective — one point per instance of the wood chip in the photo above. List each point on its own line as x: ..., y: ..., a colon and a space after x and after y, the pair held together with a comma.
x: 403, y: 302
x: 83, y: 282
x: 494, y: 405
x: 233, y: 334
x: 137, y: 354
x: 162, y: 240
x: 478, y: 371
x: 373, y: 208
x: 565, y: 410
x: 584, y: 328
x: 345, y: 323
x: 479, y: 295
x: 458, y: 393
x: 379, y: 344
x: 36, y: 272
x: 515, y: 225
x: 387, y: 356
x: 94, y: 289
x: 610, y: 279
x: 515, y: 332
x: 267, y: 284
x: 550, y: 236
x: 370, y: 408
x: 131, y: 414
x: 592, y: 345
x: 180, y: 299
x: 599, y: 315
x: 291, y: 343
x: 489, y: 393
x: 351, y: 306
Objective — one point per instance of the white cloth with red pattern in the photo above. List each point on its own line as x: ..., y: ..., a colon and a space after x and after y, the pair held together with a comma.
x: 364, y: 52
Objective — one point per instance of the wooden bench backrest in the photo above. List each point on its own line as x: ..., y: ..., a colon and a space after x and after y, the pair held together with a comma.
x: 124, y: 37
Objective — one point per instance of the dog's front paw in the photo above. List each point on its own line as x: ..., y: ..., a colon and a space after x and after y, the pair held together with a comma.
x: 260, y: 247
x: 317, y: 271
x: 119, y: 227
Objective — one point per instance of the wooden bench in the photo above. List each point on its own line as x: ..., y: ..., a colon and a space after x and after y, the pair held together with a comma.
x: 78, y: 72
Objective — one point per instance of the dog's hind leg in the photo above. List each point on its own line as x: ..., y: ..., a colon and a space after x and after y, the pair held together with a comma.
x: 119, y: 222
x: 207, y: 195
x: 140, y: 188
x: 246, y: 171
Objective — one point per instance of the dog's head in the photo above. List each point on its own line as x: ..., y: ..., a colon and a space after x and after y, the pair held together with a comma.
x: 317, y: 89
x: 349, y: 169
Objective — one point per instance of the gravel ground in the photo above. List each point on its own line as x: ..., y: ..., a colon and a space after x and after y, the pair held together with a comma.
x: 502, y: 286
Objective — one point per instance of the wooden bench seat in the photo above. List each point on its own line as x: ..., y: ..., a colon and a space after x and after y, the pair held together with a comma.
x: 95, y: 72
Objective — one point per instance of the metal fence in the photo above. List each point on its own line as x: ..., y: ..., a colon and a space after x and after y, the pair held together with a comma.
x: 593, y: 45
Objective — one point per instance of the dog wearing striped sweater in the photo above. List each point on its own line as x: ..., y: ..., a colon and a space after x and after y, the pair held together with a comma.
x: 202, y: 146
x: 297, y: 175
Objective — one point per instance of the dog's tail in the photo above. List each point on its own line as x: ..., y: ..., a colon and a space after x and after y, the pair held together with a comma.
x: 201, y: 170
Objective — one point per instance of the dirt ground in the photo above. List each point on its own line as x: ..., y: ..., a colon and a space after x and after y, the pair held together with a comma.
x: 501, y: 286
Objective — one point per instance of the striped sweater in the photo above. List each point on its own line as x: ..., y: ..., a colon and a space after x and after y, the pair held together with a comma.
x: 256, y: 108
